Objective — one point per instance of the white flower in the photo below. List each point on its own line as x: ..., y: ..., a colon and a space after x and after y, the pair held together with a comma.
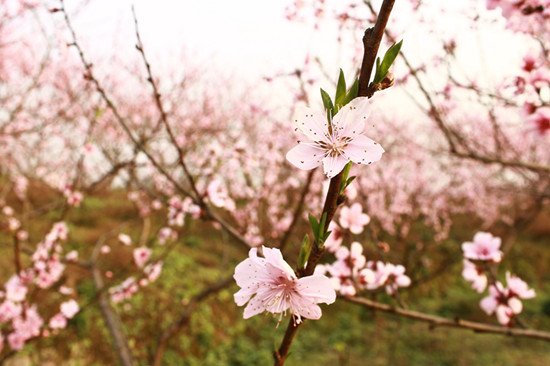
x: 334, y: 145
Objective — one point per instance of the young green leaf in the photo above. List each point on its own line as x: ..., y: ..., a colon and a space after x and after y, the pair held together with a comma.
x: 352, y: 93
x: 340, y: 86
x: 327, y: 102
x: 383, y: 67
x: 305, y: 251
x: 314, y: 225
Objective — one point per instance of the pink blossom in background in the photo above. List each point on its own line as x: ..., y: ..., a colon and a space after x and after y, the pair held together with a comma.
x: 474, y: 275
x: 25, y: 328
x: 9, y: 310
x: 141, y: 256
x: 334, y: 240
x: 218, y: 195
x: 505, y: 302
x: 540, y: 120
x: 485, y: 247
x: 336, y: 147
x: 58, y: 321
x: 153, y: 271
x: 15, y: 289
x: 519, y: 288
x: 270, y: 285
x: 125, y: 239
x: 353, y: 218
x: 69, y: 308
x: 166, y: 234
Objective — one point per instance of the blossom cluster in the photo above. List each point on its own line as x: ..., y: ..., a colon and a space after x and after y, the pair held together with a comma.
x: 352, y: 273
x: 19, y: 317
x: 504, y: 301
x: 529, y: 16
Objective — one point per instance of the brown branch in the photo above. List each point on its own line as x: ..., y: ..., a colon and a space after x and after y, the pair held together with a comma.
x: 371, y: 42
x: 438, y: 321
x: 185, y: 317
x: 111, y: 318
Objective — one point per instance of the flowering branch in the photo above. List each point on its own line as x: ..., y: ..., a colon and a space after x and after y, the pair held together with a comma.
x: 371, y: 42
x: 438, y: 321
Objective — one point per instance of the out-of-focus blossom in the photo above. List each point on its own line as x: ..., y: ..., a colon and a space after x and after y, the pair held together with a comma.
x: 353, y: 218
x: 505, y: 302
x: 475, y: 275
x: 485, y: 247
x: 141, y: 256
x: 335, y: 238
x: 125, y: 239
x: 69, y: 308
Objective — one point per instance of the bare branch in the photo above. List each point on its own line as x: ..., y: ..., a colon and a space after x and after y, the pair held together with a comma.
x: 438, y: 321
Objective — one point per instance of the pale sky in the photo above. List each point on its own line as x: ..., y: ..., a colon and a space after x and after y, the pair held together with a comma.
x: 251, y: 38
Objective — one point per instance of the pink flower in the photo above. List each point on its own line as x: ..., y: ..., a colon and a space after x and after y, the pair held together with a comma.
x: 15, y: 290
x: 141, y: 256
x: 58, y: 321
x: 9, y: 310
x: 485, y: 247
x: 334, y: 147
x: 540, y: 119
x: 69, y: 308
x: 269, y: 284
x: 218, y: 195
x: 518, y: 287
x: 166, y: 234
x: 474, y: 275
x: 353, y: 218
x: 506, y: 302
x: 353, y: 257
x: 153, y: 271
x: 124, y: 239
x: 334, y: 240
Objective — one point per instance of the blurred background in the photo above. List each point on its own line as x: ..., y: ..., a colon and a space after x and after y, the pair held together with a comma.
x: 161, y: 159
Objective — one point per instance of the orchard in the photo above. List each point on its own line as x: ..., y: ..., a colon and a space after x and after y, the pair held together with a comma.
x: 275, y: 183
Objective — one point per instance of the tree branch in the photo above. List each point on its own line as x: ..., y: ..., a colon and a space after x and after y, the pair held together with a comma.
x: 438, y: 321
x: 371, y: 42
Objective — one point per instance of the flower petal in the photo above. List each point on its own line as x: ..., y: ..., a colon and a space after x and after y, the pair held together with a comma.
x: 305, y: 156
x: 362, y: 150
x: 311, y: 123
x: 350, y: 120
x: 332, y: 165
x: 254, y: 307
x: 318, y: 288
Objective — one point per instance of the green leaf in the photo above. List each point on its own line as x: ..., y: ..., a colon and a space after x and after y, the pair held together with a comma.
x: 351, y: 94
x: 345, y: 174
x: 383, y: 67
x: 321, y: 230
x: 314, y: 225
x: 340, y: 86
x: 305, y: 251
x: 327, y: 102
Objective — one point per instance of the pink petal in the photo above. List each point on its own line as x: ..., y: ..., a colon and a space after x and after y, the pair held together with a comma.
x: 304, y: 156
x: 311, y: 123
x: 332, y: 165
x: 351, y: 119
x: 274, y: 257
x: 362, y: 150
x: 254, y: 307
x: 318, y: 288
